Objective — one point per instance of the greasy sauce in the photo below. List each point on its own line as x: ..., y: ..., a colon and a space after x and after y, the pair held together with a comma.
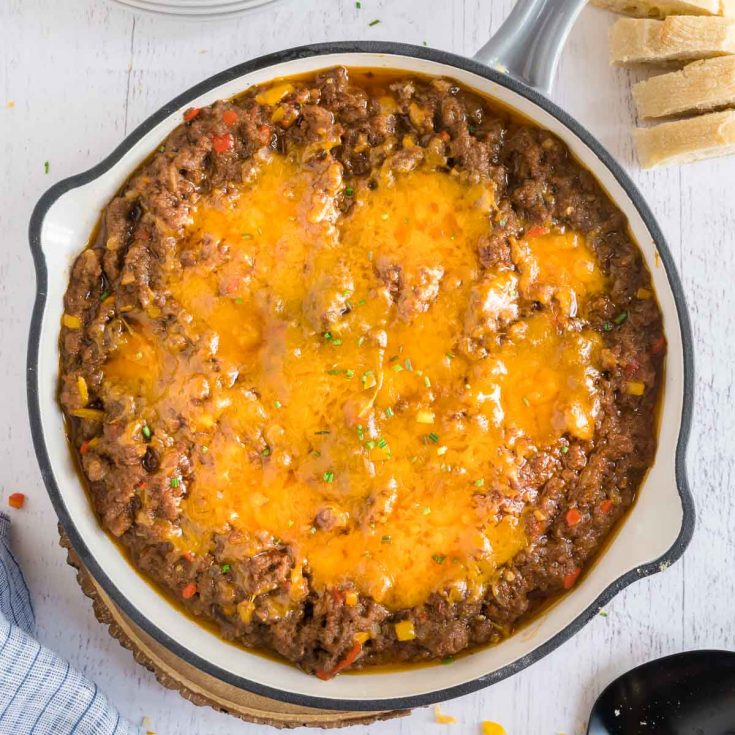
x: 377, y: 419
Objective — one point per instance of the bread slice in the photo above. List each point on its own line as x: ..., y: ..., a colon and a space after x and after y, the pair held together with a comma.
x: 677, y: 38
x: 662, y: 8
x: 682, y: 141
x: 699, y: 87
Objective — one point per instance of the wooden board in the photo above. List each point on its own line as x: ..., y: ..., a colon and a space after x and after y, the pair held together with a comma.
x: 198, y: 687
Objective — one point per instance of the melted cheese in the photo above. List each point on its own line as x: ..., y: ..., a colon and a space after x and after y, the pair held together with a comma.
x: 373, y: 446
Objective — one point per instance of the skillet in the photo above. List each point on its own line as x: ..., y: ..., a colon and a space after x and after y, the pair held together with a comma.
x: 516, y: 67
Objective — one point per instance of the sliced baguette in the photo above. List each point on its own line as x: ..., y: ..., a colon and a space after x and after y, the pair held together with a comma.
x: 662, y: 8
x: 678, y: 38
x: 688, y: 140
x: 699, y: 87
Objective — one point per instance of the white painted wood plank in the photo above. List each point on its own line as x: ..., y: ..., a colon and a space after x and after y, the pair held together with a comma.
x: 82, y: 73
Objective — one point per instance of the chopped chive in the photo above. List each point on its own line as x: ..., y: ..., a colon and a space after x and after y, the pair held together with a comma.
x: 621, y: 317
x: 564, y: 450
x: 349, y: 374
x: 448, y: 660
x: 104, y: 295
x: 382, y: 443
x: 162, y: 148
x: 385, y: 540
x: 370, y: 444
x: 427, y: 382
x: 389, y: 412
x: 602, y: 614
x: 433, y: 437
x: 328, y: 336
x: 266, y: 452
x: 360, y: 432
x: 247, y: 236
x: 480, y: 482
x: 328, y: 476
x: 439, y: 558
x: 426, y: 510
x: 147, y: 433
x: 374, y: 22
x: 408, y: 364
x: 370, y: 254
x: 46, y: 167
x: 393, y: 358
x: 361, y: 302
x: 334, y: 371
x: 607, y: 326
x: 316, y: 453
x: 322, y: 433
x: 239, y: 301
x: 336, y: 342
x: 174, y: 482
x: 349, y: 191
x: 277, y: 404
x: 358, y: 4
x: 226, y: 568
x: 451, y: 355
x: 397, y: 368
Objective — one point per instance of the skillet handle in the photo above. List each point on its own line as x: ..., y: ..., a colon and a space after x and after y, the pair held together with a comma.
x: 529, y: 43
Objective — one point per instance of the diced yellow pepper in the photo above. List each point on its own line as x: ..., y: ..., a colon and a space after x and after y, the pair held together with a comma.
x: 492, y: 728
x: 643, y: 293
x: 83, y: 390
x: 274, y: 95
x: 92, y: 414
x: 362, y: 637
x: 635, y: 388
x: 425, y: 416
x: 405, y: 630
x: 443, y: 719
x: 70, y: 321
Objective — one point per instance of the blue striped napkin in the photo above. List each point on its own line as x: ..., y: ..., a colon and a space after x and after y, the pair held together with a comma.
x: 39, y: 692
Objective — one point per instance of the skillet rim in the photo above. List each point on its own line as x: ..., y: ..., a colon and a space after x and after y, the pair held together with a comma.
x: 391, y: 49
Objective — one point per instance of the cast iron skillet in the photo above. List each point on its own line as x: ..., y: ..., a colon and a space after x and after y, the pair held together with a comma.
x: 518, y: 66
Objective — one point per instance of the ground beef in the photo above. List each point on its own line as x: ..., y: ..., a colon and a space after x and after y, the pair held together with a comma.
x: 346, y: 132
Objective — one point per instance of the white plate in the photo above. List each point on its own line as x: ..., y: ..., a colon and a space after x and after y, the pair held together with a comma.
x: 197, y: 8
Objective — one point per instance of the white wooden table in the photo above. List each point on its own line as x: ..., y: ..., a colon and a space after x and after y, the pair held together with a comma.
x: 83, y: 73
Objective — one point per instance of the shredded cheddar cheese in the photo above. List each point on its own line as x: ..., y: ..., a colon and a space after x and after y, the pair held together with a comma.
x: 368, y: 441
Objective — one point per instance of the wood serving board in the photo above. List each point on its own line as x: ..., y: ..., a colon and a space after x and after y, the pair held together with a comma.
x: 195, y: 685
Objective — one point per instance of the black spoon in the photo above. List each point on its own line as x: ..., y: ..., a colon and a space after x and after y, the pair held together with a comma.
x: 689, y: 693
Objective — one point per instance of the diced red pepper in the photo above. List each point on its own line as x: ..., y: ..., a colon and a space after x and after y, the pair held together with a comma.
x: 658, y: 345
x: 223, y: 143
x: 191, y: 113
x: 343, y: 664
x: 188, y: 555
x: 84, y: 447
x: 536, y: 231
x: 229, y: 118
x: 571, y: 578
x: 606, y: 505
x: 16, y: 500
x: 631, y: 367
x: 444, y: 135
x: 573, y: 517
x: 189, y: 590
